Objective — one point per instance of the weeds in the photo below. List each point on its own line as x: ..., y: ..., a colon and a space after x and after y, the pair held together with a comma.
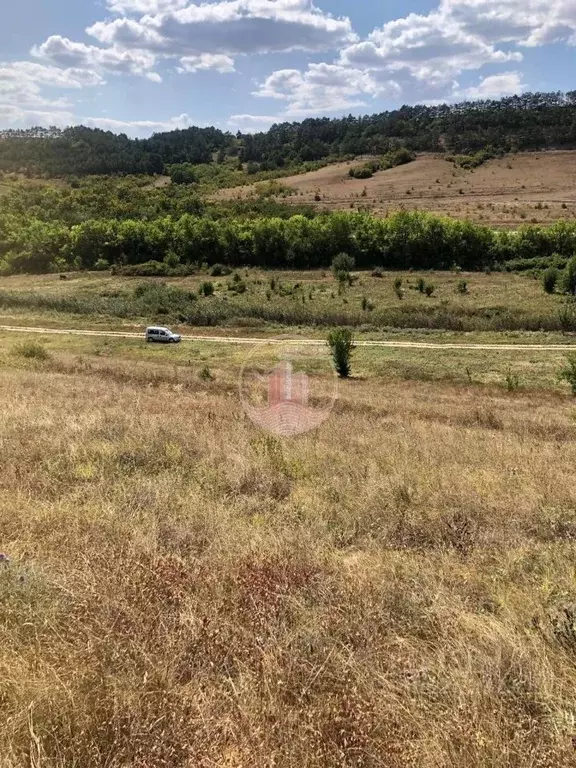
x: 31, y: 350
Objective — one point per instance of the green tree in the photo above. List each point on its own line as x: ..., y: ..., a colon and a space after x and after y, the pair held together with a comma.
x: 341, y: 343
x: 550, y: 279
x: 570, y: 277
x: 342, y: 266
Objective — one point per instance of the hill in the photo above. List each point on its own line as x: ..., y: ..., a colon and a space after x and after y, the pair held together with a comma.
x: 528, y: 122
x: 527, y: 187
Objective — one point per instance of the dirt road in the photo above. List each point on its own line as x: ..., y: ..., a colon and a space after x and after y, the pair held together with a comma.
x: 308, y: 342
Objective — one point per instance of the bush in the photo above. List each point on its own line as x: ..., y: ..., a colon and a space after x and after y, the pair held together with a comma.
x: 102, y: 265
x: 429, y: 289
x: 569, y: 281
x: 206, y: 289
x: 147, y: 269
x: 550, y: 279
x: 462, y: 287
x: 512, y: 381
x: 341, y: 343
x: 205, y: 374
x: 421, y: 284
x: 568, y: 373
x: 31, y: 350
x: 218, y: 270
x: 342, y: 265
x: 237, y: 287
x: 378, y: 273
x: 567, y: 316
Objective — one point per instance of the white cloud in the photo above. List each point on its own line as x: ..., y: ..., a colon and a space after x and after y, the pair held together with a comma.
x: 526, y: 22
x: 230, y: 27
x: 324, y: 88
x: 494, y: 87
x: 145, y: 6
x: 18, y: 116
x: 138, y: 127
x: 64, y: 52
x: 22, y: 97
x: 253, y: 123
x: 431, y: 49
x: 205, y: 61
x: 13, y: 115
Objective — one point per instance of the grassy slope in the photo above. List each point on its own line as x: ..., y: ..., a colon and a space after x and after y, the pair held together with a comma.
x: 395, y: 589
x: 317, y: 300
x: 506, y: 192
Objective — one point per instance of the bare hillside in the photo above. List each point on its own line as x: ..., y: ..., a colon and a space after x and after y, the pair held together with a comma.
x: 522, y: 188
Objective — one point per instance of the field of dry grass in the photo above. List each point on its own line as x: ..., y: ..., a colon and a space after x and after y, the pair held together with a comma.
x: 394, y: 589
x: 517, y: 189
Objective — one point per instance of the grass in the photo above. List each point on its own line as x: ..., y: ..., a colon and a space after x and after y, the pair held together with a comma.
x: 394, y: 589
x: 493, y: 303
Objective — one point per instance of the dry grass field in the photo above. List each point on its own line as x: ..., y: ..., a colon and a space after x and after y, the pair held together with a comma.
x: 516, y: 189
x: 395, y: 589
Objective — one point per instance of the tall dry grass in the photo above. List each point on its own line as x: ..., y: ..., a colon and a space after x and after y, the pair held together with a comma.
x: 396, y: 589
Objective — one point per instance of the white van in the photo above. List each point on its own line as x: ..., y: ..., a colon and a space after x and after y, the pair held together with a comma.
x: 162, y: 335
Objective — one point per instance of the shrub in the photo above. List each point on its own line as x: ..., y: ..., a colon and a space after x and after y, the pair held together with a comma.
x: 31, y: 350
x: 206, y: 289
x: 429, y: 289
x: 205, y: 374
x: 550, y: 279
x: 341, y: 343
x: 218, y: 270
x: 570, y: 277
x: 512, y: 381
x: 398, y: 283
x: 462, y: 287
x: 342, y: 265
x: 378, y: 273
x: 102, y: 265
x: 568, y: 373
x: 567, y: 316
x: 421, y: 284
x: 147, y: 269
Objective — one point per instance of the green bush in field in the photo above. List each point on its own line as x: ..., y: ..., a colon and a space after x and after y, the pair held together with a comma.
x: 462, y: 287
x: 550, y: 279
x: 569, y: 277
x: 219, y: 270
x: 31, y: 350
x: 341, y: 343
x: 206, y: 289
x: 568, y: 373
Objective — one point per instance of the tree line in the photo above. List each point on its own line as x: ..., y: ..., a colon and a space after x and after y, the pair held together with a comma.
x: 527, y: 122
x: 405, y: 240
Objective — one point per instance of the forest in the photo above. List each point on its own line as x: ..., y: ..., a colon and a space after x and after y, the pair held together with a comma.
x: 108, y: 223
x: 527, y: 122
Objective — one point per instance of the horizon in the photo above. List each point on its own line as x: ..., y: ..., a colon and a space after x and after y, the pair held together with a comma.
x: 4, y: 132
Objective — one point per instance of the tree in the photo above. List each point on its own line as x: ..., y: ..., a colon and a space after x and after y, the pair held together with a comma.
x: 550, y: 279
x: 342, y: 265
x: 570, y: 277
x: 341, y: 343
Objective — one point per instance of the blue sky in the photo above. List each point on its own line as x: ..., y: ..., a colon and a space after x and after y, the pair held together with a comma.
x: 139, y: 66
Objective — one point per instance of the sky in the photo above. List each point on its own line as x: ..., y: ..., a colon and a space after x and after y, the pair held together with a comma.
x: 141, y: 66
